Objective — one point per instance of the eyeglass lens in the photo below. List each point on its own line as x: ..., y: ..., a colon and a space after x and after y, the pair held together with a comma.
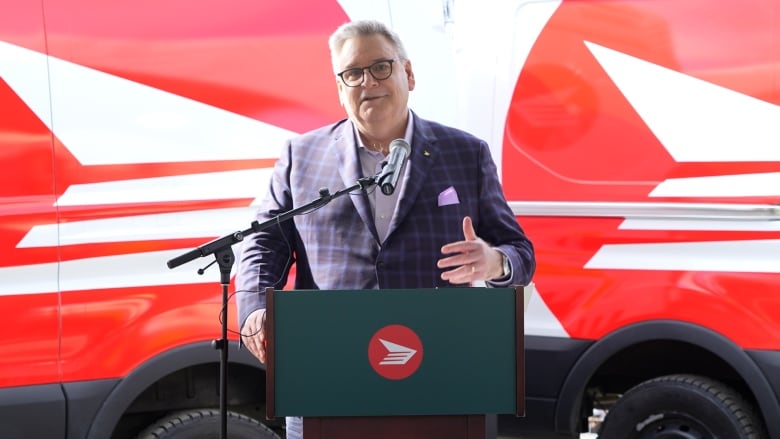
x: 379, y: 71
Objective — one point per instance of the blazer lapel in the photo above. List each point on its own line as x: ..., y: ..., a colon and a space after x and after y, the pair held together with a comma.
x: 351, y: 171
x: 425, y: 152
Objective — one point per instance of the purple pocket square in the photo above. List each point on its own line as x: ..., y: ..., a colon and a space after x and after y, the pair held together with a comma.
x: 448, y: 196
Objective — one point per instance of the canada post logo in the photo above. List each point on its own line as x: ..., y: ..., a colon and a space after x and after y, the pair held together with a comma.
x: 395, y: 352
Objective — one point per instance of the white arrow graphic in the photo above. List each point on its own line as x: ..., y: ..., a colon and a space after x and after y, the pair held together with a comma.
x: 397, y: 355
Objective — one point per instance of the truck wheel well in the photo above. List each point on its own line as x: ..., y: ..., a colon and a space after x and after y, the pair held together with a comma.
x: 655, y: 358
x: 635, y: 353
x: 196, y: 387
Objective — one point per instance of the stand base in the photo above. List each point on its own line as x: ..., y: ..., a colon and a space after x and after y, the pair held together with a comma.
x: 395, y: 427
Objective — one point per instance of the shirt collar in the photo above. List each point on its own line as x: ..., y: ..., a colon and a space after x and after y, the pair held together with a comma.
x: 407, y: 134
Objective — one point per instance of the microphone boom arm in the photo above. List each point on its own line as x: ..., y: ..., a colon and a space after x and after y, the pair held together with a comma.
x: 229, y: 240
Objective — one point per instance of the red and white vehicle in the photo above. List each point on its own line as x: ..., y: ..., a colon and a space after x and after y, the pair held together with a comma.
x: 637, y: 142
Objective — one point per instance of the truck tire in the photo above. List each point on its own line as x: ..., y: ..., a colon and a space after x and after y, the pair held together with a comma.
x: 206, y: 424
x: 681, y: 406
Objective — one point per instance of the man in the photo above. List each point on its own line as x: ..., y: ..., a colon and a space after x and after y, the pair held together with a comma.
x: 447, y: 222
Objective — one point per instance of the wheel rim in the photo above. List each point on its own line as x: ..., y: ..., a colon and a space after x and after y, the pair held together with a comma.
x: 673, y: 426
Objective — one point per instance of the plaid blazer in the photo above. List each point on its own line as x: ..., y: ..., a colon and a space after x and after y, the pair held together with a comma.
x: 337, y: 246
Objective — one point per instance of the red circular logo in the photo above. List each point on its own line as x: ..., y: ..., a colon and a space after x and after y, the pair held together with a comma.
x: 395, y: 352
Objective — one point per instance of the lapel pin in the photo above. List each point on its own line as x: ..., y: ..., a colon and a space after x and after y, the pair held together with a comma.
x: 426, y: 153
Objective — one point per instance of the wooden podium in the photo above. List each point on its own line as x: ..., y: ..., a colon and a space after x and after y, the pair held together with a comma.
x: 407, y: 363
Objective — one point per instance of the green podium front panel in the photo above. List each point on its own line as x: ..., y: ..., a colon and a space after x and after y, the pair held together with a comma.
x: 395, y: 352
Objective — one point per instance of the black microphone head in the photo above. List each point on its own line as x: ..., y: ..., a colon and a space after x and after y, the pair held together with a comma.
x: 387, y: 189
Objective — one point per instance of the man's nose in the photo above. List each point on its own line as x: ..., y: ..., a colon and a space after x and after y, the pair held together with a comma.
x: 368, y: 79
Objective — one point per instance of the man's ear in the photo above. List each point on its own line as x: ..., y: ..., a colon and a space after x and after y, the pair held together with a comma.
x: 339, y: 87
x: 409, y: 75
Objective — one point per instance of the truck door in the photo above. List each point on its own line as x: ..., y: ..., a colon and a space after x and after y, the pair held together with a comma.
x: 31, y: 399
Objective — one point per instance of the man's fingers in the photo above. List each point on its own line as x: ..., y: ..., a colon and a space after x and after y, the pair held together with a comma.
x: 463, y: 274
x: 466, y: 257
x: 256, y: 345
x: 253, y: 334
x: 468, y: 229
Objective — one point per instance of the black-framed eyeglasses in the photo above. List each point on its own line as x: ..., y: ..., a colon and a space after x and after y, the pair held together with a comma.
x: 355, y: 76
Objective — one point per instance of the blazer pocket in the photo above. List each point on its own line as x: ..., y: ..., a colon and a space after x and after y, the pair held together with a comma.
x: 448, y: 197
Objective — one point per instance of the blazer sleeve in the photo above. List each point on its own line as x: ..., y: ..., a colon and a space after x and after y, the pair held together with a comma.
x: 265, y: 257
x: 498, y: 225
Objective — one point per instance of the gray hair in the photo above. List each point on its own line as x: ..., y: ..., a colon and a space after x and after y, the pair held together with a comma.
x: 362, y: 28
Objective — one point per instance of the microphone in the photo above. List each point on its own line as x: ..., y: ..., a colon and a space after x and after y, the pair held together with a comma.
x: 388, y: 177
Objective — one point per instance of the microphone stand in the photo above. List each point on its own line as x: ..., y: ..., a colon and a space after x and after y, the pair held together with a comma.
x: 222, y: 250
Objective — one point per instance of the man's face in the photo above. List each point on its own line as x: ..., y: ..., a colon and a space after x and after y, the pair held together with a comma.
x: 374, y: 101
